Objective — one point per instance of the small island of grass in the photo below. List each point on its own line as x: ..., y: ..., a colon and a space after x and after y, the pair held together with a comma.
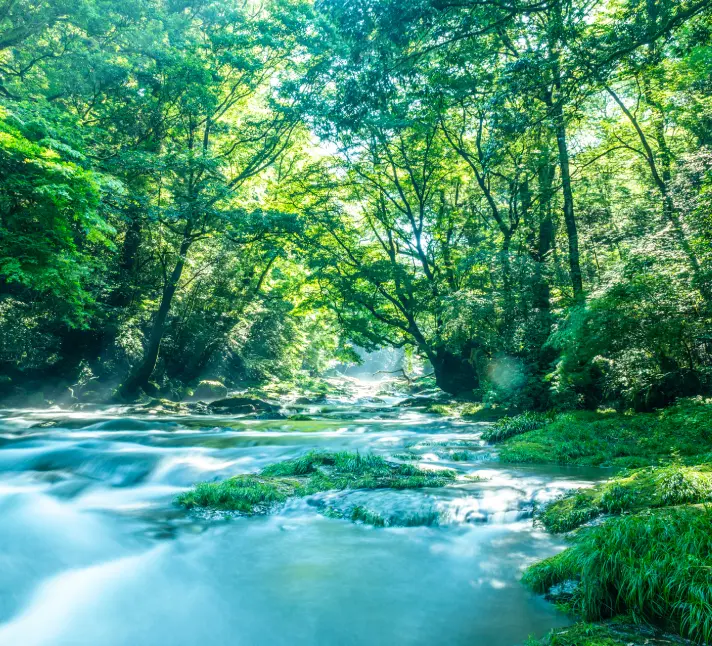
x: 311, y: 473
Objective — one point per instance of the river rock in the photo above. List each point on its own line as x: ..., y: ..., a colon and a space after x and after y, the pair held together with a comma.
x: 208, y: 390
x: 238, y: 405
x: 310, y: 401
x: 413, y: 402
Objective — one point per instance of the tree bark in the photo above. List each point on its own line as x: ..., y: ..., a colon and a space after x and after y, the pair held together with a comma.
x: 453, y: 374
x: 569, y: 214
x: 555, y: 100
x: 139, y: 378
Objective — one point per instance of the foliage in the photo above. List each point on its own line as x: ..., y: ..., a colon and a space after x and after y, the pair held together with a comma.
x: 242, y: 192
x: 507, y: 427
x: 654, y: 565
x: 609, y: 438
x: 653, y: 487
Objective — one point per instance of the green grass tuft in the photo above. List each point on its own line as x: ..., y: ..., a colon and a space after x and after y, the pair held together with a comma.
x: 654, y: 487
x: 246, y: 494
x: 614, y: 439
x: 512, y: 426
x: 655, y: 565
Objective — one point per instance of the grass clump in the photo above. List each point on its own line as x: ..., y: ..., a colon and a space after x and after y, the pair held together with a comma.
x: 653, y: 487
x: 346, y: 470
x: 614, y: 439
x: 655, y: 566
x: 247, y: 494
x: 413, y: 457
x: 568, y: 512
x: 508, y: 427
x: 308, y: 474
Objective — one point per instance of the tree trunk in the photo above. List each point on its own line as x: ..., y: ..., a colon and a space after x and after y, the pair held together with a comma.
x: 555, y: 101
x: 509, y: 306
x: 569, y: 215
x: 140, y: 377
x: 453, y: 374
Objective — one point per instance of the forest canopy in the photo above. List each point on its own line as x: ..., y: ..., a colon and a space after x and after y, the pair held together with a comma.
x: 517, y: 193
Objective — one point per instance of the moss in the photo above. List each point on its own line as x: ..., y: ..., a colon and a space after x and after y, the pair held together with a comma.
x: 655, y: 565
x: 482, y: 412
x: 446, y: 410
x: 308, y: 474
x: 653, y: 487
x: 614, y: 439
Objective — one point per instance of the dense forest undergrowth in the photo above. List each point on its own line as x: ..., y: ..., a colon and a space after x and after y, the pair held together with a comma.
x: 201, y: 198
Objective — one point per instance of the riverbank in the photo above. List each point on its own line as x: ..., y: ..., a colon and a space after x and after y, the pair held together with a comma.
x: 640, y: 542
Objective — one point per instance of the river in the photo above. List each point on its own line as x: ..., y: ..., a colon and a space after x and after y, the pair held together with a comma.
x: 94, y: 552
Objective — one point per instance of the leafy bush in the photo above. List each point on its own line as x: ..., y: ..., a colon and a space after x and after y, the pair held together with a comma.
x: 636, y: 341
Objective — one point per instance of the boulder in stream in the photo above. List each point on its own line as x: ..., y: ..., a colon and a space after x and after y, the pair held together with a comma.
x: 240, y: 405
x: 208, y: 390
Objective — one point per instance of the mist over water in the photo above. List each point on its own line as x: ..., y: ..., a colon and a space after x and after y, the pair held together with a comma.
x: 94, y: 552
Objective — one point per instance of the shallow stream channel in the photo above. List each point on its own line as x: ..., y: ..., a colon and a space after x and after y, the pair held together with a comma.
x: 94, y: 551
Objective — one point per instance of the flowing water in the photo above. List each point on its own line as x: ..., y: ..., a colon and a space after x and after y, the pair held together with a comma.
x: 93, y: 552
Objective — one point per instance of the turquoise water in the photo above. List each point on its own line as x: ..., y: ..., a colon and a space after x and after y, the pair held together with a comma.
x: 93, y: 551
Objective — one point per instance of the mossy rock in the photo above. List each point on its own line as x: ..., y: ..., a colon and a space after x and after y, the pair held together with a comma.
x: 208, y: 390
x: 311, y: 473
x: 607, y: 438
x: 615, y: 633
x: 653, y: 487
x: 242, y: 405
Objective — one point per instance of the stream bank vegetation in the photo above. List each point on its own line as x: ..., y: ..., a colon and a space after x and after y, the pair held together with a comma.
x: 640, y: 542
